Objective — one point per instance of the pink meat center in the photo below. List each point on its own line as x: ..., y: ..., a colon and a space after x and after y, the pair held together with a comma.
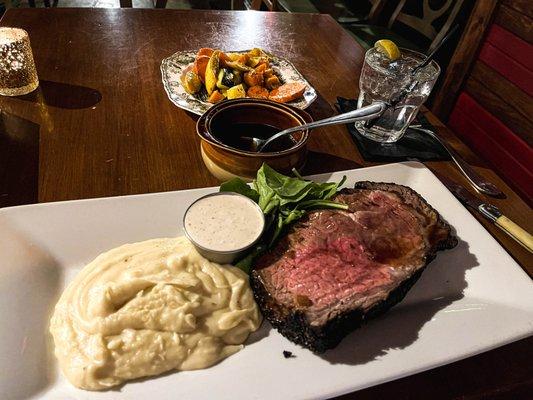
x: 341, y: 255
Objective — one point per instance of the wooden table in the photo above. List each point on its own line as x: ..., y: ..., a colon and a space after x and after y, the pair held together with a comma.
x: 101, y: 125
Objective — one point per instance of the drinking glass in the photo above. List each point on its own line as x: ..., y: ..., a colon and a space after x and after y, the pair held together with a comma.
x: 382, y: 80
x: 18, y: 75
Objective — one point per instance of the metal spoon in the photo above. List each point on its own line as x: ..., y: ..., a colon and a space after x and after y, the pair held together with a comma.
x: 372, y: 111
x: 476, y: 180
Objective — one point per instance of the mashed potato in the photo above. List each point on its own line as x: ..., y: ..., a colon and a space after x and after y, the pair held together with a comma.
x: 145, y: 308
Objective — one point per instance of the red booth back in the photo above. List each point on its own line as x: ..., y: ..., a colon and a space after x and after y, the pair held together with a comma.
x: 494, y: 112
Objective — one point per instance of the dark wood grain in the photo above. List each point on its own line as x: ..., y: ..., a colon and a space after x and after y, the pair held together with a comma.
x: 496, y: 375
x: 463, y: 57
x: 515, y: 21
x: 512, y: 205
x: 135, y: 140
x: 115, y: 132
x: 19, y: 160
x: 501, y: 98
x: 509, y: 93
x: 522, y: 6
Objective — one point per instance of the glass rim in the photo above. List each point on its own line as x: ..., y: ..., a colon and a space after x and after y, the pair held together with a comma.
x: 419, y: 55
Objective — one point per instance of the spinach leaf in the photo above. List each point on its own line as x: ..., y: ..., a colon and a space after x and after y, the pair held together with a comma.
x: 284, y: 200
x: 327, y: 190
x: 282, y: 189
x: 267, y: 199
x: 237, y: 185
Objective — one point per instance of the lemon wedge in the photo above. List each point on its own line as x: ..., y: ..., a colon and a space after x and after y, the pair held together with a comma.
x: 389, y: 48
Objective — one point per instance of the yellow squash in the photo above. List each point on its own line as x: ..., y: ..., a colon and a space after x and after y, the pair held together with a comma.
x: 236, y: 92
x: 211, y: 72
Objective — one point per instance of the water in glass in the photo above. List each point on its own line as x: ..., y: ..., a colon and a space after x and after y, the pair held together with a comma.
x: 383, y: 79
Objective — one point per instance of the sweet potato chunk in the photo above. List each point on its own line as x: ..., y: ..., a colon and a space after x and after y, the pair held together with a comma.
x: 261, y: 68
x: 204, y: 51
x: 253, y: 78
x: 215, y: 97
x: 287, y: 92
x: 258, y: 92
x: 200, y: 65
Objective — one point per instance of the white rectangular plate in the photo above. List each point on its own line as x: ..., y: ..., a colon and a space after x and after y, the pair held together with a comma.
x: 469, y: 300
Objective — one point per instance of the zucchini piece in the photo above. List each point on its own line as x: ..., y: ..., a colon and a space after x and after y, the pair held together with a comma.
x: 226, y: 79
x: 229, y: 78
x: 221, y: 84
x: 237, y: 77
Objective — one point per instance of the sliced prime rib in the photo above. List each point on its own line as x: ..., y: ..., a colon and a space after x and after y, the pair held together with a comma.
x: 334, y: 269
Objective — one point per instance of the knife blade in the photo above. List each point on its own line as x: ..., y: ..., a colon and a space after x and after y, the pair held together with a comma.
x: 490, y: 212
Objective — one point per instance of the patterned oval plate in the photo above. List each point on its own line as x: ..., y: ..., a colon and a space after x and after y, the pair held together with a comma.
x: 172, y: 67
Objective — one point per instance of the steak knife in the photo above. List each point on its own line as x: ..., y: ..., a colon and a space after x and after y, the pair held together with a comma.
x: 490, y: 212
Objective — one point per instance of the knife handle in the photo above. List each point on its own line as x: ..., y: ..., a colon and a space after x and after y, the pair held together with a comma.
x: 515, y: 231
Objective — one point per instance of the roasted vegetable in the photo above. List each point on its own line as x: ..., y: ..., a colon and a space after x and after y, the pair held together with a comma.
x: 226, y: 79
x: 257, y: 56
x: 202, y: 94
x: 272, y: 82
x: 243, y: 59
x: 200, y: 65
x: 253, y: 61
x: 287, y: 92
x: 215, y: 75
x: 223, y: 59
x: 205, y: 51
x: 238, y: 66
x: 231, y: 56
x: 215, y: 97
x: 253, y: 78
x: 258, y: 92
x: 220, y: 83
x: 237, y: 76
x: 236, y: 92
x: 268, y: 72
x: 191, y: 82
x: 211, y: 72
x: 261, y: 68
x: 255, y: 52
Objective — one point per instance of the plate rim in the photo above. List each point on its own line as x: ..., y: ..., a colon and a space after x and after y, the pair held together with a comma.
x: 380, y: 379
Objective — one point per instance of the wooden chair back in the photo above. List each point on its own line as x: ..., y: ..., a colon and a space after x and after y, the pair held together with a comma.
x: 271, y: 5
x: 157, y: 3
x: 493, y: 112
x: 375, y: 10
x: 424, y: 24
x: 305, y: 6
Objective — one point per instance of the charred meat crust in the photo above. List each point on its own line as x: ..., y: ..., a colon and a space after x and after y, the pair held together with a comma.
x: 420, y: 204
x: 293, y: 324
